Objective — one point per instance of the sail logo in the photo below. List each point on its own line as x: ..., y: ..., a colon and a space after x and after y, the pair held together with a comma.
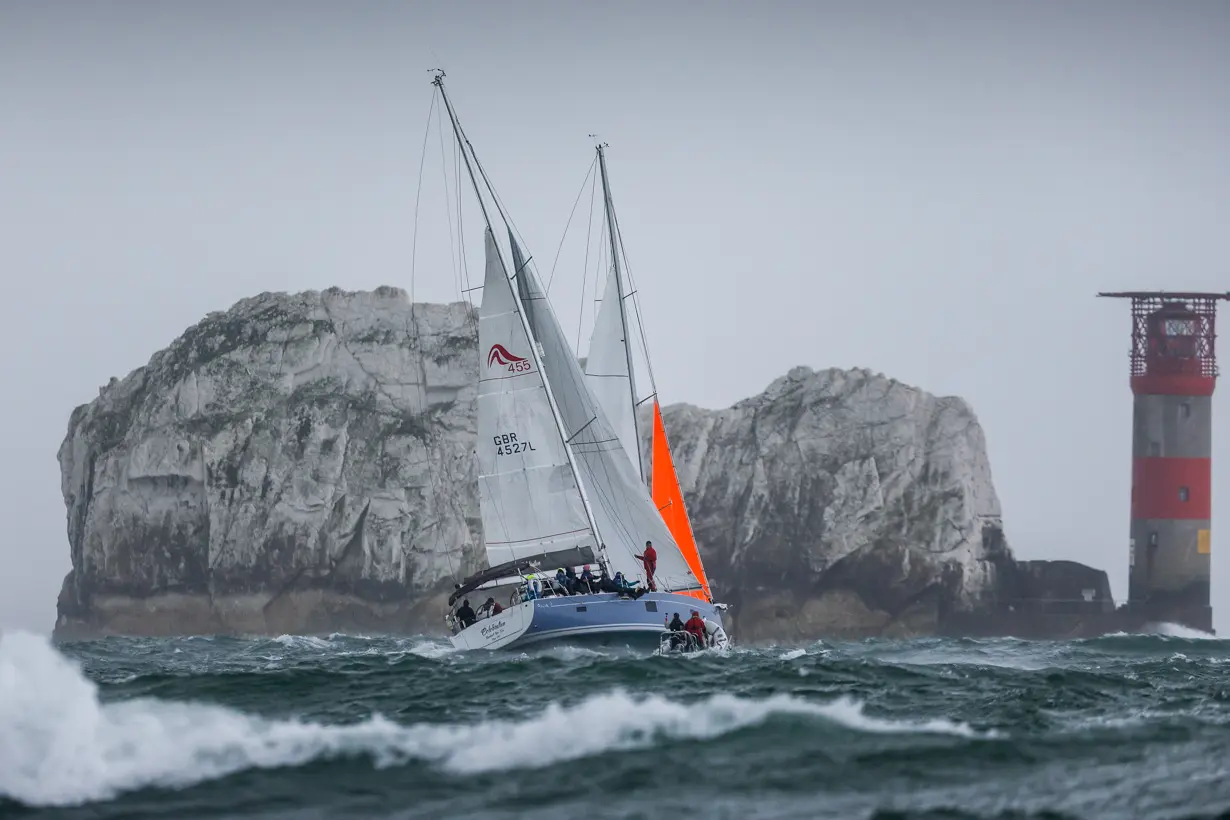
x: 499, y: 355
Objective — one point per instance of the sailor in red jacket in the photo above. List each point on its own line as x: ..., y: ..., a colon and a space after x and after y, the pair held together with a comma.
x: 696, y: 628
x: 650, y: 559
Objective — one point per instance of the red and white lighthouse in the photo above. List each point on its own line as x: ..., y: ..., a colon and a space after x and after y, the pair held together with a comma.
x: 1174, y: 371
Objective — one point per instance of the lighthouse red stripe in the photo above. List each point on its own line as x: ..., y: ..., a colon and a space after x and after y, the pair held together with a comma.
x: 1159, y: 484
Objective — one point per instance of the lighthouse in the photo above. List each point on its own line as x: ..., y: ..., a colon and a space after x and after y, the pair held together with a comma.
x: 1173, y: 373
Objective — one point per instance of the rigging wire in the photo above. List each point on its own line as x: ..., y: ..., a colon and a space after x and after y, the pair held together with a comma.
x: 636, y: 303
x: 600, y: 268
x: 589, y: 232
x: 509, y: 225
x: 461, y: 244
x: 575, y: 202
x: 448, y: 205
x: 413, y: 325
x: 414, y: 235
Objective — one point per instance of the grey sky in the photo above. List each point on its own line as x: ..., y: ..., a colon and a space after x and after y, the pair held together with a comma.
x: 932, y: 190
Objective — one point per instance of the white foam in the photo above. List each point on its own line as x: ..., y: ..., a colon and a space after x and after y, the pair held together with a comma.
x: 794, y: 654
x: 60, y: 746
x: 432, y: 649
x: 1180, y: 631
x: 566, y: 652
x: 302, y: 641
x: 1168, y: 630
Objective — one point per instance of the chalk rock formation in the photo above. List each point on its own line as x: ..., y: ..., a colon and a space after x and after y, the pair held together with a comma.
x: 297, y: 463
x: 304, y: 463
x: 841, y: 503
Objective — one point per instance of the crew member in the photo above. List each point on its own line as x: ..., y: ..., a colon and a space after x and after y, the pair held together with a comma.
x: 605, y: 584
x: 650, y: 559
x: 696, y: 628
x: 465, y: 614
x: 678, y: 632
x: 627, y: 588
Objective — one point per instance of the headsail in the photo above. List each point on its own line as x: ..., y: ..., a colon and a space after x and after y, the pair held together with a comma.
x: 606, y: 371
x: 609, y: 370
x: 668, y: 498
x: 528, y: 494
x: 622, y: 509
x: 609, y: 367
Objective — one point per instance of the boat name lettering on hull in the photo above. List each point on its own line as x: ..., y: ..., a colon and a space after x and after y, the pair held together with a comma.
x: 506, y: 444
x: 490, y: 629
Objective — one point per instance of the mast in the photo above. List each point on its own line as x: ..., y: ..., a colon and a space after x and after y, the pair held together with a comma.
x: 609, y: 206
x: 464, y: 142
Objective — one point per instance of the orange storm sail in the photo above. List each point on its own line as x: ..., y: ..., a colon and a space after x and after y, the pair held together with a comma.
x: 668, y: 498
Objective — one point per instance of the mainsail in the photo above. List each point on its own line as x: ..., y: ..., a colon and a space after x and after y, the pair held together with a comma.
x: 528, y: 495
x: 608, y: 368
x: 607, y: 372
x: 625, y: 516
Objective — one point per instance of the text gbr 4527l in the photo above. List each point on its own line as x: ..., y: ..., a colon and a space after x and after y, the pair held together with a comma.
x: 506, y: 444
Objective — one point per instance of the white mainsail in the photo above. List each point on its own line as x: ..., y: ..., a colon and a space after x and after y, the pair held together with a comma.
x: 619, y: 501
x: 528, y: 495
x: 606, y: 371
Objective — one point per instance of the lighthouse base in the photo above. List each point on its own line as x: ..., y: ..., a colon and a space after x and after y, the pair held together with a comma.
x: 1041, y: 600
x: 1187, y: 607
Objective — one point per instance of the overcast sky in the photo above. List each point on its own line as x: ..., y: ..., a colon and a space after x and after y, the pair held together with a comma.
x: 932, y: 190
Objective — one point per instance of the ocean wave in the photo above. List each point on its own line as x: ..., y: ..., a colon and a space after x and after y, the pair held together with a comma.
x: 432, y: 650
x: 59, y: 745
x: 1187, y: 633
x: 1162, y: 631
x: 302, y: 641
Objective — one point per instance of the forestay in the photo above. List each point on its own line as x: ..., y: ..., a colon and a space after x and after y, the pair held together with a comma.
x: 620, y: 503
x: 528, y: 494
x: 606, y: 371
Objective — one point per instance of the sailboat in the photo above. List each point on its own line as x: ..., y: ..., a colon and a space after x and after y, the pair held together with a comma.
x: 558, y: 493
x: 611, y: 375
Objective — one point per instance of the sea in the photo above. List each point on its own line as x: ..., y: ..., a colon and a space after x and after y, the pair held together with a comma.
x: 357, y: 726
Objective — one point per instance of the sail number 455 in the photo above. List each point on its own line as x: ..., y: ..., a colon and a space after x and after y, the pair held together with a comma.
x: 506, y: 444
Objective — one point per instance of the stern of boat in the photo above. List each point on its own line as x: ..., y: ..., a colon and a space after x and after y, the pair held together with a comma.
x: 498, y: 631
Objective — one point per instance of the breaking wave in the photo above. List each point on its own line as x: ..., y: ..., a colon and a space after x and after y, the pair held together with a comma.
x: 60, y: 745
x: 1180, y: 631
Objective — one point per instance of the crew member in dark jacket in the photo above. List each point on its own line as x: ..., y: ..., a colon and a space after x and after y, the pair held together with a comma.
x: 465, y: 615
x: 677, y: 629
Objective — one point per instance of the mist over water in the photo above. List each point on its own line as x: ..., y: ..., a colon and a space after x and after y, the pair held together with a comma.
x: 1126, y: 725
